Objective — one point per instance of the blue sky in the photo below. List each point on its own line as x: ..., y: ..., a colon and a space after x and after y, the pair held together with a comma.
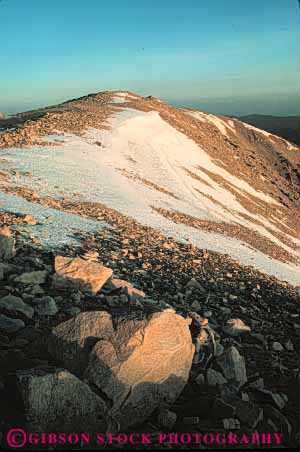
x: 225, y: 56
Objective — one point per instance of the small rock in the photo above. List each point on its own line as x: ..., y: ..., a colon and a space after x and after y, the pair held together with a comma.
x: 45, y: 306
x: 289, y: 346
x: 190, y: 420
x: 245, y: 397
x: 225, y: 311
x: 73, y: 311
x: 35, y: 277
x: 215, y: 378
x: 206, y: 313
x: 79, y: 274
x: 236, y: 327
x: 231, y: 424
x: 200, y: 380
x: 196, y: 306
x: 114, y: 284
x: 16, y: 304
x: 193, y: 284
x: 279, y: 400
x: 133, y: 294
x: 166, y: 420
x: 249, y: 414
x: 10, y: 326
x: 257, y: 384
x: 1, y: 271
x: 219, y: 349
x: 233, y: 366
x: 277, y: 347
x: 36, y: 290
x: 281, y: 422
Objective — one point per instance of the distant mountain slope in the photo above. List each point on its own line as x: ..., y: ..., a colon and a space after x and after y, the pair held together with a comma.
x: 287, y: 127
x: 216, y: 182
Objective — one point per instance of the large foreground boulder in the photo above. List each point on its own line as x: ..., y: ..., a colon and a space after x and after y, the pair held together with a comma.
x: 71, y: 342
x: 60, y: 402
x: 79, y: 274
x: 140, y: 365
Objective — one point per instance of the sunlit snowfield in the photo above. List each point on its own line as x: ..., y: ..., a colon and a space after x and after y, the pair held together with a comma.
x: 114, y: 166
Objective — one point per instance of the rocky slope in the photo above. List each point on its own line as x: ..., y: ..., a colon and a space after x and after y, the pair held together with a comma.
x: 82, y: 350
x: 131, y: 298
x: 287, y: 127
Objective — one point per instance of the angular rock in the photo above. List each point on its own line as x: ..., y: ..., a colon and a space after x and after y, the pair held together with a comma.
x: 115, y: 284
x: 133, y: 294
x: 71, y: 341
x: 289, y: 346
x: 249, y: 414
x: 236, y: 327
x: 233, y: 366
x: 79, y: 274
x: 45, y: 306
x: 257, y: 384
x: 280, y: 400
x: 281, y: 422
x: 166, y: 420
x: 36, y: 290
x: 59, y: 401
x: 231, y: 424
x: 144, y: 366
x: 16, y: 304
x: 36, y: 277
x: 194, y: 284
x: 277, y: 347
x: 215, y: 378
x: 10, y: 326
x: 196, y: 306
x: 200, y: 380
x: 73, y: 311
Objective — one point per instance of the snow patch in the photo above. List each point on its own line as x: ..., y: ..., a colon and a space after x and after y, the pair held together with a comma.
x: 57, y: 228
x: 217, y: 121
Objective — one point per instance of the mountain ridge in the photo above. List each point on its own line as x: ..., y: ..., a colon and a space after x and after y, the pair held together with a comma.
x: 287, y: 127
x: 216, y: 180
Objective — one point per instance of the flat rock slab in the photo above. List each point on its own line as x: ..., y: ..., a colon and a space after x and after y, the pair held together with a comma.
x: 60, y: 402
x: 76, y: 273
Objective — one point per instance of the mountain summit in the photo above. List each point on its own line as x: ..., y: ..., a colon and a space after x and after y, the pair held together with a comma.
x: 212, y: 181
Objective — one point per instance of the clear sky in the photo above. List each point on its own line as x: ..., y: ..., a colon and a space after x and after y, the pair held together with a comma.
x: 224, y: 56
